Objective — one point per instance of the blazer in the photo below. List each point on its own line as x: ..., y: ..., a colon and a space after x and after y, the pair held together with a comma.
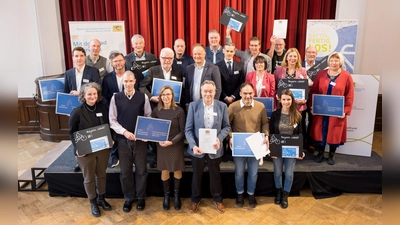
x: 280, y: 73
x: 337, y: 127
x: 131, y: 57
x: 195, y: 120
x: 210, y: 72
x: 231, y: 82
x: 90, y: 74
x: 245, y: 57
x: 109, y: 87
x: 268, y: 83
x: 80, y: 119
x: 157, y: 72
x: 274, y: 123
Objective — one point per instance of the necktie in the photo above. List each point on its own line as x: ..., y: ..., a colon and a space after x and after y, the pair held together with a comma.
x: 229, y: 67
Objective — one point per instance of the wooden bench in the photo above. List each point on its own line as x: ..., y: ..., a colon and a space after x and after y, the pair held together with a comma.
x: 33, y: 178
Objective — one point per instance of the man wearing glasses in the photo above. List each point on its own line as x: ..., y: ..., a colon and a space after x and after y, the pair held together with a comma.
x: 276, y: 52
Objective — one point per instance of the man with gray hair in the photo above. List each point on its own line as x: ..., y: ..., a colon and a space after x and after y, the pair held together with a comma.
x: 97, y: 61
x: 214, y: 51
x: 138, y: 53
x: 276, y: 52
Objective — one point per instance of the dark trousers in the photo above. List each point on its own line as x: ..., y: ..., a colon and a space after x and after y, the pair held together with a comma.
x: 308, y: 140
x: 114, y: 150
x: 132, y: 152
x: 198, y: 165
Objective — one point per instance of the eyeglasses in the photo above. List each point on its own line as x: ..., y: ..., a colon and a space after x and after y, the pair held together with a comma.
x: 166, y: 95
x: 259, y: 63
x: 117, y: 61
x: 166, y: 58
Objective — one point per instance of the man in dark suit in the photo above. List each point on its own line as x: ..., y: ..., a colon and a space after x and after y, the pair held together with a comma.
x: 164, y: 71
x: 206, y: 113
x: 80, y: 74
x: 232, y: 75
x: 198, y: 72
x: 76, y: 77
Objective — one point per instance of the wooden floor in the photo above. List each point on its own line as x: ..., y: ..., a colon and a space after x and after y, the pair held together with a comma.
x: 40, y: 208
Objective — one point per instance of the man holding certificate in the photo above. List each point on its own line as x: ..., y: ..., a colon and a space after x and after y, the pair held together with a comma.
x: 247, y: 116
x: 125, y: 107
x: 212, y: 115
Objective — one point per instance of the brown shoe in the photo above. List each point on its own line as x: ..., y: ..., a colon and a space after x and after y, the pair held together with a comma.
x: 193, y: 207
x: 220, y: 206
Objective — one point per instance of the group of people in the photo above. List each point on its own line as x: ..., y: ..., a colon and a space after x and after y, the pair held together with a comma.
x: 217, y: 94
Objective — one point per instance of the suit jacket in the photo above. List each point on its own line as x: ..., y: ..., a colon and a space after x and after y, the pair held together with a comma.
x: 231, y: 82
x: 245, y: 57
x: 195, y: 120
x: 210, y: 72
x: 268, y: 84
x: 274, y: 123
x: 109, y: 87
x: 90, y: 74
x: 337, y: 127
x: 80, y: 119
x: 280, y: 73
x: 157, y: 72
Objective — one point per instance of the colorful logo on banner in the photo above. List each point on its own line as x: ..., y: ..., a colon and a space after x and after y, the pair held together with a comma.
x: 329, y: 36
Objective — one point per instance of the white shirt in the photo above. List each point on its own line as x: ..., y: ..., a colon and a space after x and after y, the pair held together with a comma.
x: 242, y: 104
x: 259, y: 84
x: 198, y: 72
x: 167, y: 75
x: 208, y: 115
x: 78, y: 77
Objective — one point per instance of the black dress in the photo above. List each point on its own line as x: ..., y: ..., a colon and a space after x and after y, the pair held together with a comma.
x: 172, y: 157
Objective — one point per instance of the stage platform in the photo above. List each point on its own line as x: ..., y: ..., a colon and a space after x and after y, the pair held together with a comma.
x: 352, y: 174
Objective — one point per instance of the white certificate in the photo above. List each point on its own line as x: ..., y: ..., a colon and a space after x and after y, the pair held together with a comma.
x: 257, y: 145
x: 280, y: 28
x: 207, y: 138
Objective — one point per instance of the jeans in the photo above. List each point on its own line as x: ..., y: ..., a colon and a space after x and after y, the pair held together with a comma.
x: 289, y: 172
x: 252, y: 169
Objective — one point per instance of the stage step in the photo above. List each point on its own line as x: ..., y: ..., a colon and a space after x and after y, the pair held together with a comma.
x: 32, y: 179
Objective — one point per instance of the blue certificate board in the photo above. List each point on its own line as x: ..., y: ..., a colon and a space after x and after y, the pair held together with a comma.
x: 175, y: 85
x: 286, y: 146
x: 240, y: 148
x: 93, y: 139
x: 152, y: 129
x: 295, y: 85
x: 49, y: 88
x: 65, y: 103
x: 328, y: 105
x: 268, y: 103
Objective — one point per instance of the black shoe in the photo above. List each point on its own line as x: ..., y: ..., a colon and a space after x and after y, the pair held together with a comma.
x: 140, y: 204
x: 320, y: 157
x: 94, y: 207
x: 153, y: 164
x: 127, y: 206
x: 284, y: 202
x: 77, y: 168
x: 114, y: 162
x: 252, y: 201
x: 239, y: 200
x: 278, y: 197
x: 101, y: 201
x: 330, y: 159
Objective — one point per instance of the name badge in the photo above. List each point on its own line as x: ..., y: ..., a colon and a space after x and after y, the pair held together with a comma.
x: 85, y: 81
x: 214, y: 114
x: 101, y: 69
x: 236, y: 72
x: 179, y: 62
x: 332, y: 83
x: 263, y: 87
x: 173, y: 77
x: 301, y: 76
x: 99, y: 114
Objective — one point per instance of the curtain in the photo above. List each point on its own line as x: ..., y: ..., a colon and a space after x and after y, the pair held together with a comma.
x: 160, y: 22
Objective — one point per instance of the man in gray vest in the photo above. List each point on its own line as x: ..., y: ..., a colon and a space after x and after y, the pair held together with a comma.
x: 97, y: 61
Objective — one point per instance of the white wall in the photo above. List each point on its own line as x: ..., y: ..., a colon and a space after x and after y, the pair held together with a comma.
x: 40, y: 43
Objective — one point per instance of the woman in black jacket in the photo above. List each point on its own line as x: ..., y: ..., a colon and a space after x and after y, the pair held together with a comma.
x: 89, y: 114
x: 285, y: 120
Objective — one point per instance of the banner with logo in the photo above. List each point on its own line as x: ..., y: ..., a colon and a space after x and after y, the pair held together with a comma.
x: 111, y: 35
x: 329, y: 36
x: 360, y: 124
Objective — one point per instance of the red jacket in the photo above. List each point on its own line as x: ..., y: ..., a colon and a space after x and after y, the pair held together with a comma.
x: 268, y: 84
x: 280, y: 73
x: 337, y: 127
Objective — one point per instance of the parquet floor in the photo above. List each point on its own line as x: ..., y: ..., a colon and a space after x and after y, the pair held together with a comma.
x: 40, y: 208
